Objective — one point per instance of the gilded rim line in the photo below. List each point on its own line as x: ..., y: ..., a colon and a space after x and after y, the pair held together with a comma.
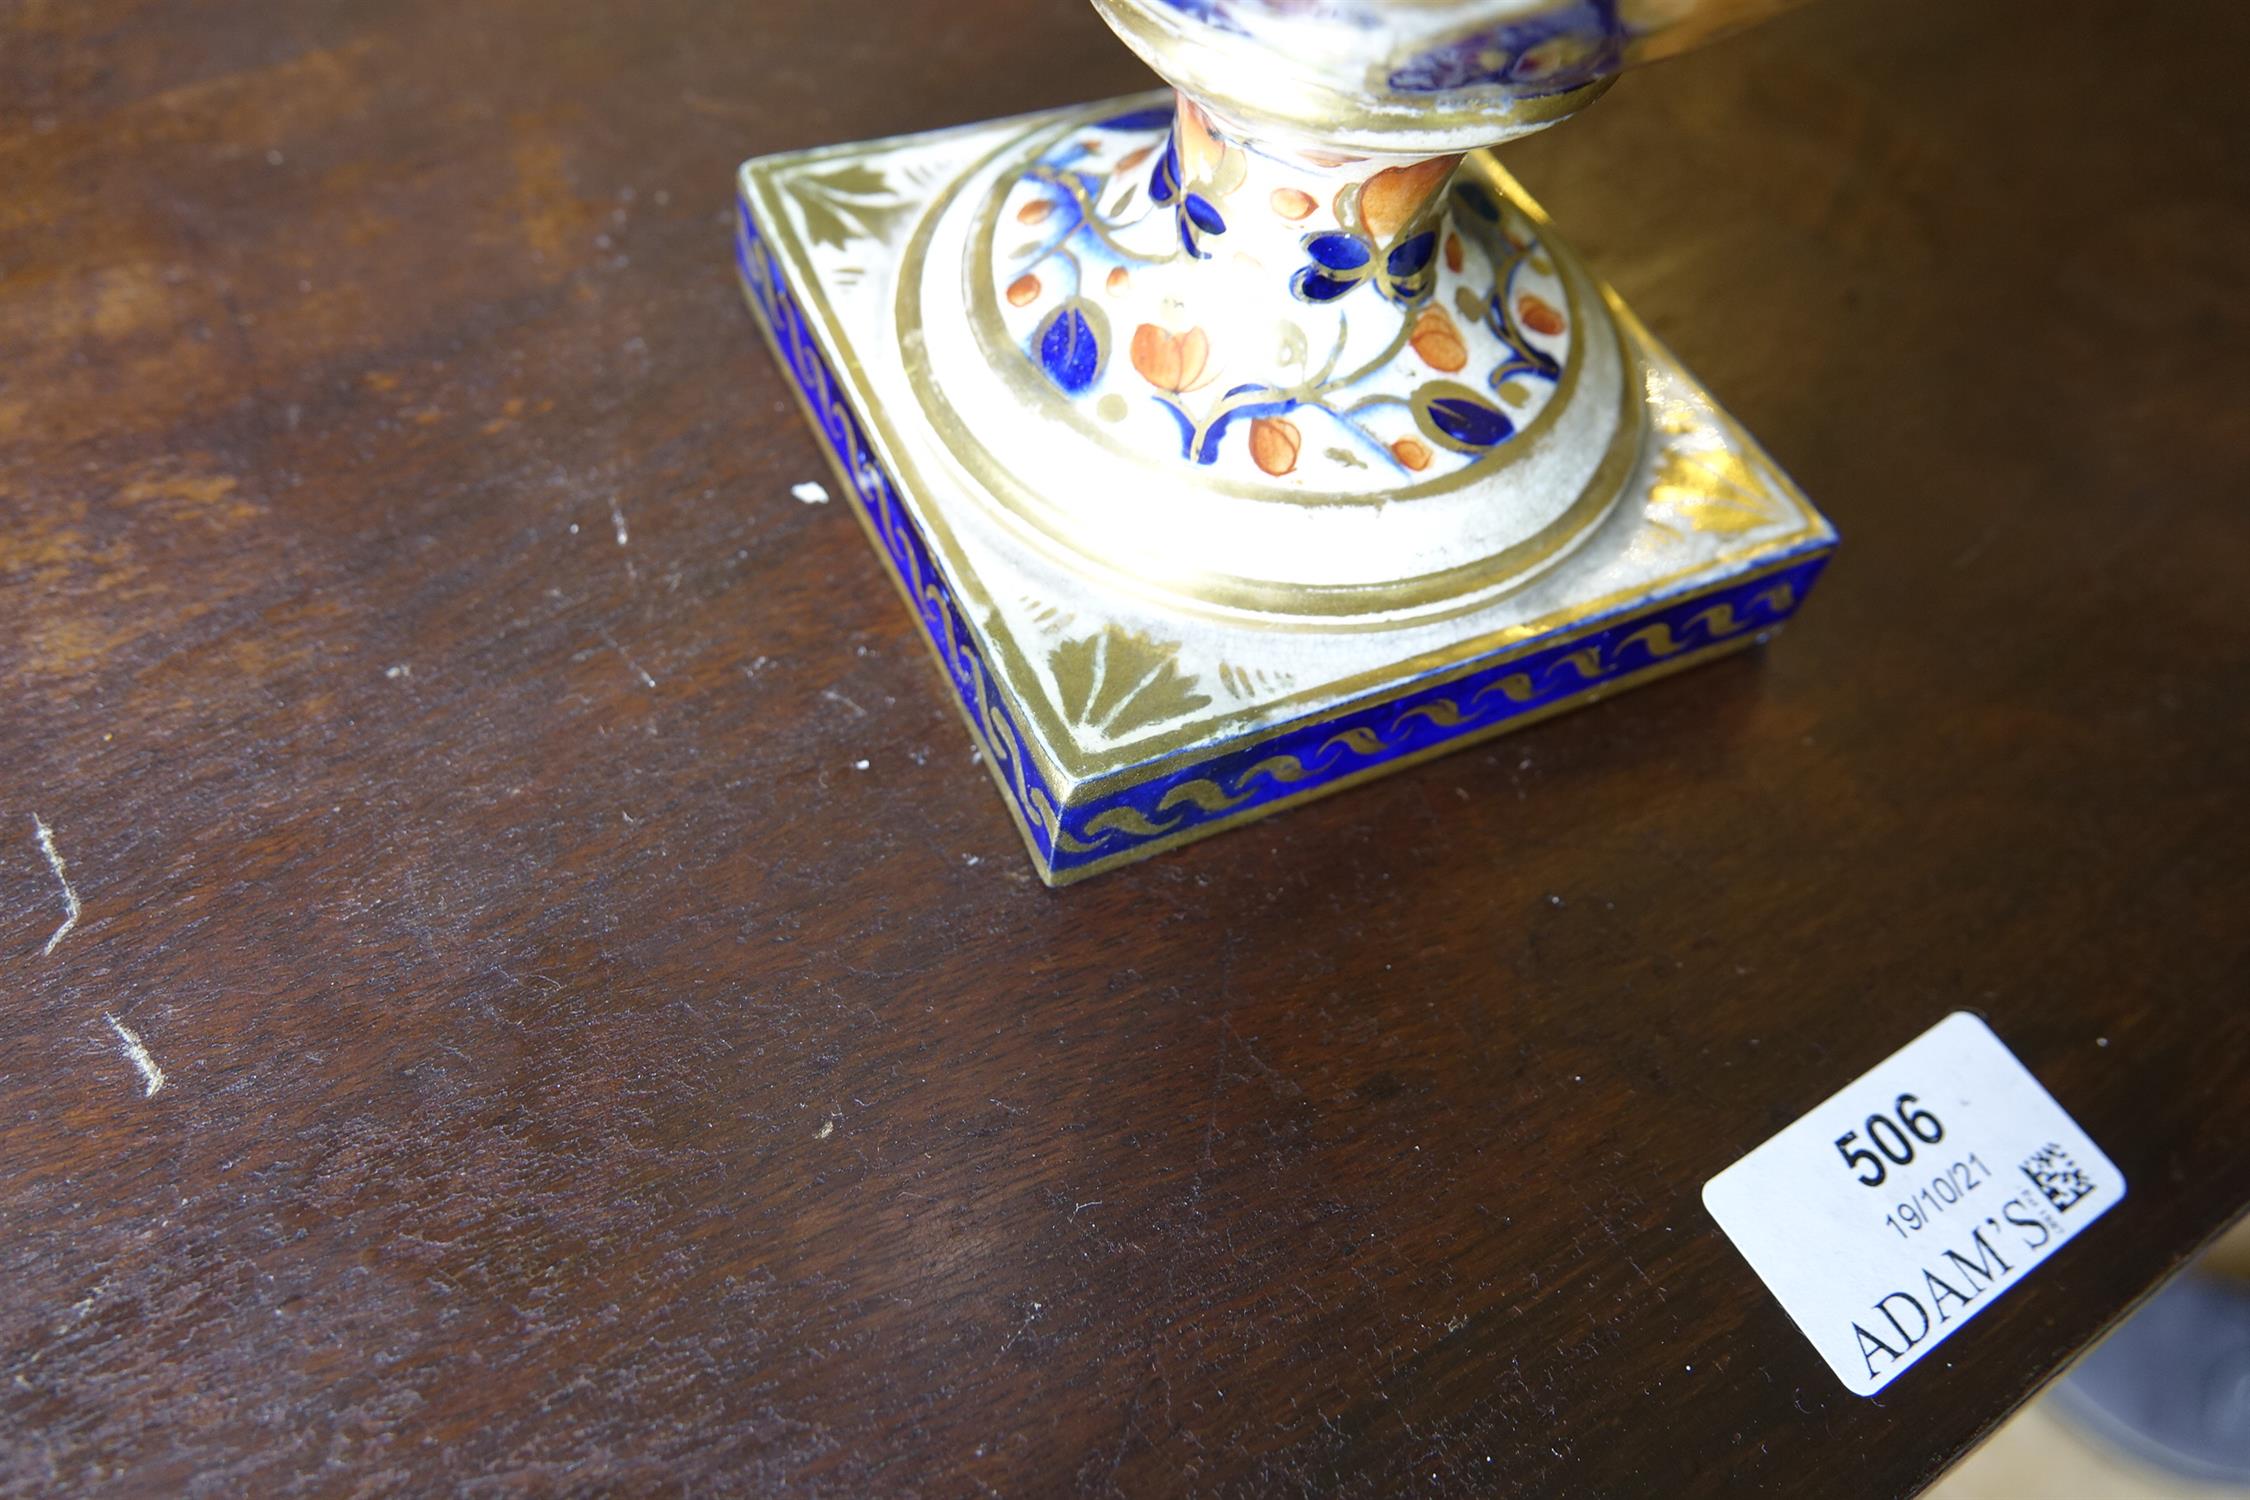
x: 779, y: 253
x: 1132, y: 852
x: 1343, y: 121
x: 1743, y: 637
x: 985, y: 324
x: 1412, y: 680
x: 1150, y: 754
x: 1407, y: 603
x: 1016, y: 800
x: 1755, y: 604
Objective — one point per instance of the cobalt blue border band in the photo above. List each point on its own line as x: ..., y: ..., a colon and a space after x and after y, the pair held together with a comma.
x: 1231, y: 784
x: 900, y: 540
x: 1241, y: 783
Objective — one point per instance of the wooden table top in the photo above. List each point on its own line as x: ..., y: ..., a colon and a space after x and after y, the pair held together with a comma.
x: 579, y: 1075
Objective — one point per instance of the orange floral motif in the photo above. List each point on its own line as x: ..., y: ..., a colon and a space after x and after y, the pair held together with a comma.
x: 1453, y: 253
x: 1133, y: 159
x: 1172, y: 362
x: 1023, y: 290
x: 1274, y: 443
x: 1539, y: 315
x: 1438, y: 340
x: 1120, y: 281
x: 1391, y: 199
x: 1036, y: 211
x: 1412, y: 452
x: 1292, y: 203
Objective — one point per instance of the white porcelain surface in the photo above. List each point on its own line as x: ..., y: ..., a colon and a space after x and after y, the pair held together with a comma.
x: 1233, y: 439
x: 1700, y: 504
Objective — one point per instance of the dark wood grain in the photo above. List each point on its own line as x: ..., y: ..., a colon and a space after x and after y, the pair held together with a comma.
x: 580, y: 1078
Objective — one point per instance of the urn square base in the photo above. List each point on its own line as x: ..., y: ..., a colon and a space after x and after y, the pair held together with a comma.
x: 1118, y: 720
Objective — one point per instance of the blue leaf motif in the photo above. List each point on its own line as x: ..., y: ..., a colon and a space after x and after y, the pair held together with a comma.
x: 1470, y: 422
x: 1198, y: 217
x: 1314, y: 285
x: 1069, y: 347
x: 1339, y: 263
x: 1410, y: 268
x: 1164, y: 177
x: 1339, y: 252
x: 1413, y: 257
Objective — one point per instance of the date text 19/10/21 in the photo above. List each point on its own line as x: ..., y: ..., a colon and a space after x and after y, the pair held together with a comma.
x: 2022, y: 1226
x: 1882, y: 1239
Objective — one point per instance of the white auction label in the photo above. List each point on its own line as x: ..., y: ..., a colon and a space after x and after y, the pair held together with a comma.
x: 1908, y: 1202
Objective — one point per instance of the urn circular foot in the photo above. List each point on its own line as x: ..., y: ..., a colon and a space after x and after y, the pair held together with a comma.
x: 1267, y: 382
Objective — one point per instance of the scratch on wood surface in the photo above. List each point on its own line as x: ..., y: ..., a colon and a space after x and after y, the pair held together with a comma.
x: 617, y: 519
x: 152, y: 1076
x: 420, y: 926
x: 1281, y: 1083
x: 1218, y: 1086
x: 718, y: 109
x: 638, y: 670
x: 47, y: 847
x: 1029, y: 1318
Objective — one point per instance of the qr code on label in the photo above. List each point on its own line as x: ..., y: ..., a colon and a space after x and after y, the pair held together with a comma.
x: 2053, y: 1172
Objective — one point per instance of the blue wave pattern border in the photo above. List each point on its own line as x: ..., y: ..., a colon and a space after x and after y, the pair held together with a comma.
x: 902, y: 543
x: 1241, y: 780
x: 1240, y: 783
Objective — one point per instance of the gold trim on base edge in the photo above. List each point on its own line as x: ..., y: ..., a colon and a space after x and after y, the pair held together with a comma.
x: 1803, y: 550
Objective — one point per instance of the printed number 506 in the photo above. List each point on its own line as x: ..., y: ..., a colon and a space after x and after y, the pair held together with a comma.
x: 1893, y: 1138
